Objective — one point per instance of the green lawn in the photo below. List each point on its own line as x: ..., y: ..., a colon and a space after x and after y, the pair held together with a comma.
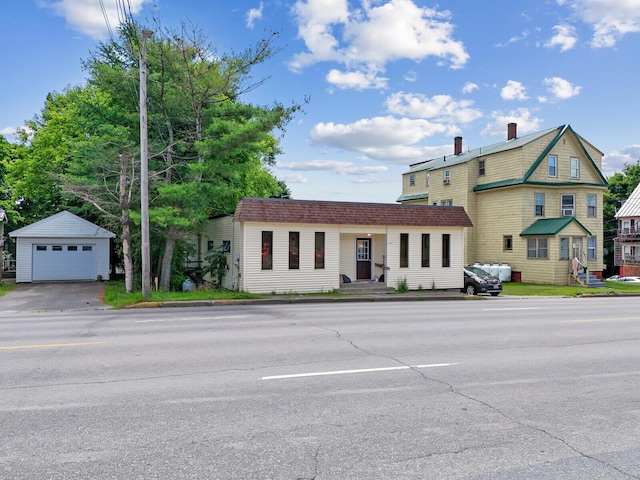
x: 529, y: 289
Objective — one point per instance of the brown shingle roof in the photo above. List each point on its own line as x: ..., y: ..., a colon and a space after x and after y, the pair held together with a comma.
x: 277, y: 210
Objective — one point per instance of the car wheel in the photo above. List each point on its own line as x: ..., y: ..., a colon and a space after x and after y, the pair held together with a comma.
x: 471, y: 290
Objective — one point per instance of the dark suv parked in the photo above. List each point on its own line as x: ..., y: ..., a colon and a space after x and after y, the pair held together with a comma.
x: 478, y: 281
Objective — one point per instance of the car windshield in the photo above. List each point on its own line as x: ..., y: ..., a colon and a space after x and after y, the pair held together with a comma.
x: 477, y: 271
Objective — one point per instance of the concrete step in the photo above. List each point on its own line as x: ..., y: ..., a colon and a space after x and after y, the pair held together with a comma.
x: 360, y: 287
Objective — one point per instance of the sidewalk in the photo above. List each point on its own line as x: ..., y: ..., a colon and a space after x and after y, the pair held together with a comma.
x: 413, y: 296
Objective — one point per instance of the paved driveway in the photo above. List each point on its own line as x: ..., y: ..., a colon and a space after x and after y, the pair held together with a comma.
x: 54, y: 296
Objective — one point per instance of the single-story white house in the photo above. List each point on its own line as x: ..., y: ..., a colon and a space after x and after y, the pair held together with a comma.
x: 62, y: 247
x: 282, y: 245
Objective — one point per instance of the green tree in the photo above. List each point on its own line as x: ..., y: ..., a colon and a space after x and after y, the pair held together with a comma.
x: 621, y: 185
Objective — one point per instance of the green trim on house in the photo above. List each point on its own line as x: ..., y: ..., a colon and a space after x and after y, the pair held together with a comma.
x: 409, y: 198
x: 551, y: 227
x: 499, y: 184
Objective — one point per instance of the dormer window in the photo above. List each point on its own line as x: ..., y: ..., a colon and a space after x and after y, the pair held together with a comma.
x: 412, y: 180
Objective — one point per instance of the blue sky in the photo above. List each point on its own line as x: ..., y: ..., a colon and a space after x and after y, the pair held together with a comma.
x: 390, y: 82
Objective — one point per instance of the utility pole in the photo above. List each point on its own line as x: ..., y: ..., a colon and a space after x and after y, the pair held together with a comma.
x: 144, y: 169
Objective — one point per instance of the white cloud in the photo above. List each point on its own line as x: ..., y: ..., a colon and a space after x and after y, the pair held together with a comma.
x: 87, y: 16
x: 610, y: 19
x: 443, y: 108
x: 253, y: 15
x: 411, y: 76
x: 615, y: 161
x: 340, y: 167
x: 522, y: 116
x: 293, y: 178
x: 469, y: 87
x: 378, y: 132
x: 385, y: 139
x: 513, y: 91
x: 360, y: 80
x: 561, y: 88
x: 366, y: 39
x: 565, y: 38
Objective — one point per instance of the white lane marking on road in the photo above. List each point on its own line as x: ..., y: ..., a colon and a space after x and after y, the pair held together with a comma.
x: 362, y: 370
x: 159, y: 320
x: 509, y: 309
x: 600, y: 320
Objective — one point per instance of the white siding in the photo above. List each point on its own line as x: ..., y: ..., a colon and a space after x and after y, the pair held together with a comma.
x: 24, y: 256
x: 281, y: 279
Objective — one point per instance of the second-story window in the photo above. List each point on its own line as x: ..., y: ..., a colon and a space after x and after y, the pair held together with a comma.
x: 539, y: 201
x: 412, y: 180
x: 553, y: 166
x: 428, y: 179
x: 575, y: 168
x: 591, y: 205
x: 446, y: 203
x: 568, y: 205
x: 481, y: 167
x: 446, y: 176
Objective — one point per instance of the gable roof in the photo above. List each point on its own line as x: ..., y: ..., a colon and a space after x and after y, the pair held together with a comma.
x: 278, y: 210
x: 449, y: 160
x: 518, y: 142
x: 62, y: 224
x: 631, y: 207
x: 551, y: 226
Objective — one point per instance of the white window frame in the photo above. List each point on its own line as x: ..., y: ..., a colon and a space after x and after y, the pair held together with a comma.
x: 592, y: 244
x: 412, y: 180
x: 592, y: 211
x: 538, y: 248
x: 536, y: 204
x: 446, y: 176
x: 575, y: 168
x: 566, y: 211
x: 552, y: 165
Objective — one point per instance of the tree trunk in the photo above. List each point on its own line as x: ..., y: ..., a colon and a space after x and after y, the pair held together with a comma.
x: 125, y: 222
x: 167, y: 259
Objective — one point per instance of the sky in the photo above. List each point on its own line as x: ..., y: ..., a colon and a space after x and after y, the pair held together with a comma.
x: 387, y: 83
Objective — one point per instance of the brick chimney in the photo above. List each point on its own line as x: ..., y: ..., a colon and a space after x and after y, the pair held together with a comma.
x: 512, y: 131
x: 457, y: 145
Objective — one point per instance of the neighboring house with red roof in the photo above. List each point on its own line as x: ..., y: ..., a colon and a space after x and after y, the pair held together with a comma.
x: 627, y: 242
x: 283, y: 245
x: 536, y: 201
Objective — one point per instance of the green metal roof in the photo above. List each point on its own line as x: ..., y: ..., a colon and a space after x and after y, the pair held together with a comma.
x: 551, y: 226
x: 408, y: 198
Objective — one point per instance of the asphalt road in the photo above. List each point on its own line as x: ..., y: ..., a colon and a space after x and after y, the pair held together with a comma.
x: 495, y: 389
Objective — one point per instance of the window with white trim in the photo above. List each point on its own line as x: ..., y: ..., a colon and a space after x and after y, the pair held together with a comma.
x: 552, y: 163
x: 591, y: 205
x: 564, y: 248
x: 446, y: 176
x: 568, y: 205
x: 412, y: 180
x: 591, y: 248
x: 537, y: 247
x: 575, y: 168
x: 539, y: 204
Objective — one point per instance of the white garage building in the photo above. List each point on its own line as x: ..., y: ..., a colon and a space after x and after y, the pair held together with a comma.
x: 62, y: 247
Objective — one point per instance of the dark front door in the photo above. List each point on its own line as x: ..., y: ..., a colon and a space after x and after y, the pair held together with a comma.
x: 363, y: 259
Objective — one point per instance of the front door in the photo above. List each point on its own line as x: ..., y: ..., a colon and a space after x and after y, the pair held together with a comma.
x: 576, y: 243
x: 363, y: 259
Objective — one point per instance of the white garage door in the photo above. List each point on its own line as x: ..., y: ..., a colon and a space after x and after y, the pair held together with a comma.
x: 64, y: 262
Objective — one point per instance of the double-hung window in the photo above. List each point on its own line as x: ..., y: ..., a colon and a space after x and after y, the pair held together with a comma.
x: 553, y: 166
x: 568, y: 205
x: 575, y: 168
x: 591, y: 248
x: 591, y: 205
x: 539, y: 202
x: 319, y: 251
x: 481, y: 167
x: 412, y: 180
x: 564, y: 248
x: 294, y: 250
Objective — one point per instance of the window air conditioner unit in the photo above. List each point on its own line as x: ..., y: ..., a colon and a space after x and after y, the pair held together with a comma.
x: 567, y: 212
x: 446, y: 181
